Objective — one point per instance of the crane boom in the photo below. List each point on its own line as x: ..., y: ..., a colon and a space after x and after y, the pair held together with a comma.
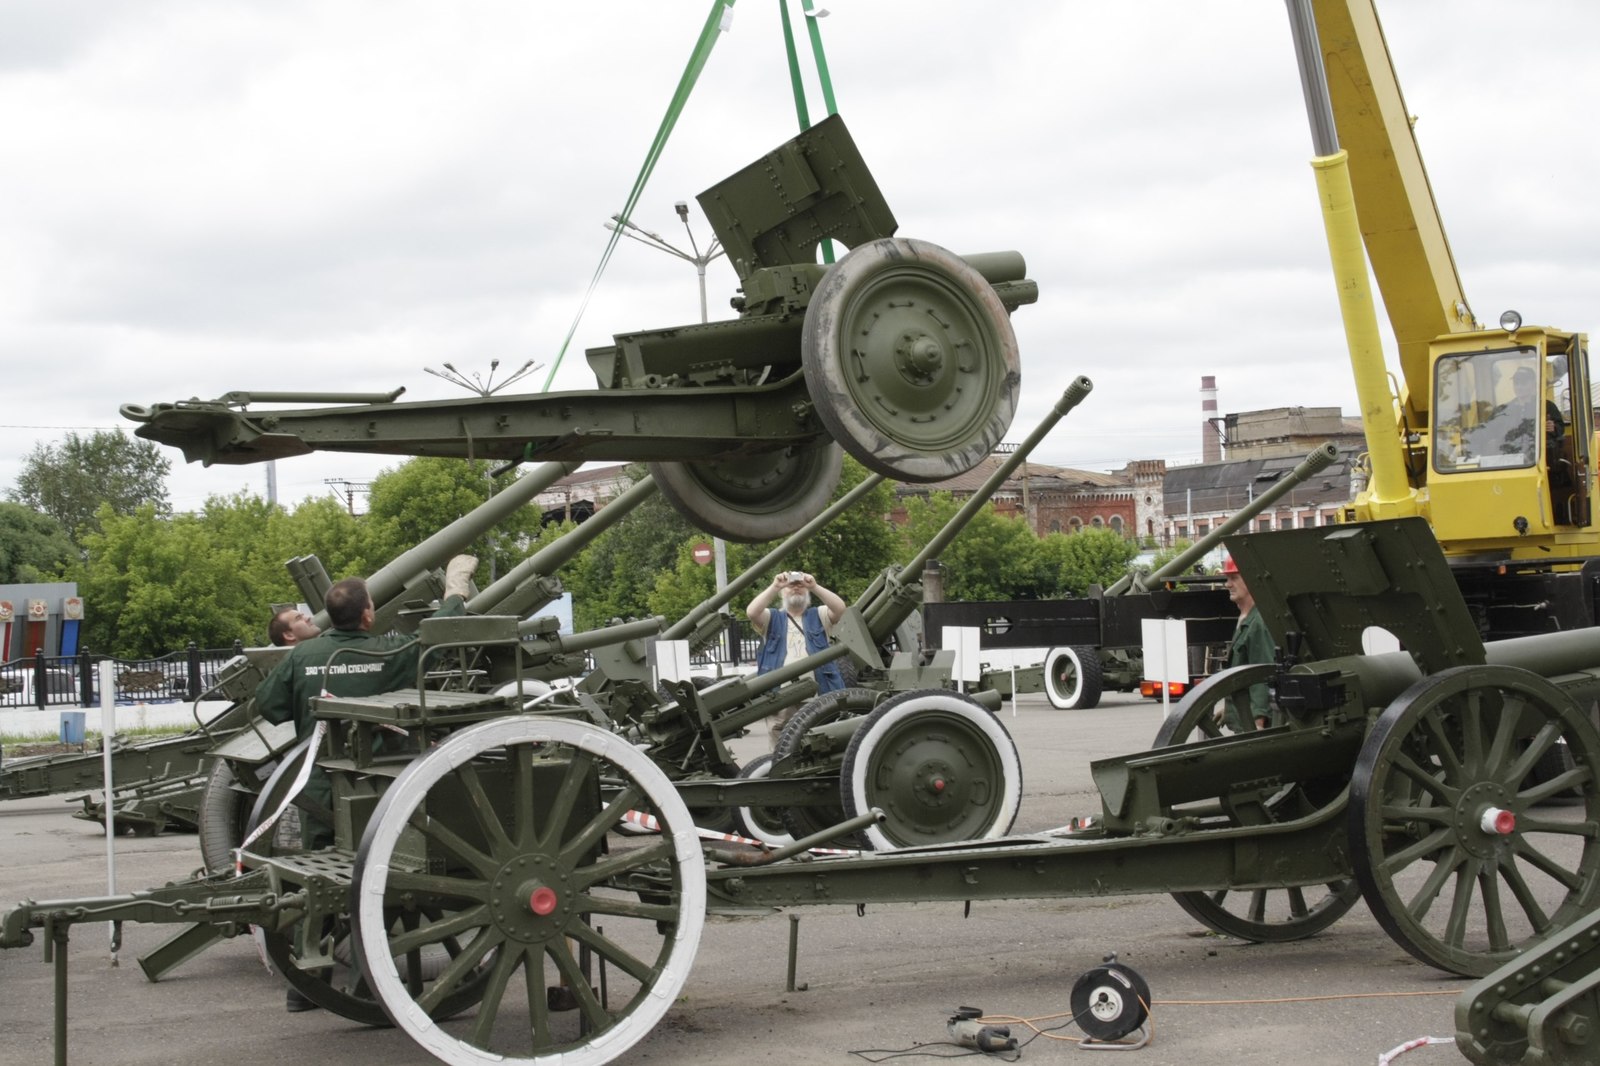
x: 1400, y: 223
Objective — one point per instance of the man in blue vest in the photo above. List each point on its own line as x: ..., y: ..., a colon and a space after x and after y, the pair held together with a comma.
x: 795, y: 630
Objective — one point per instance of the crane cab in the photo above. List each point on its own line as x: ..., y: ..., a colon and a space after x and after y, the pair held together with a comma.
x: 1510, y: 449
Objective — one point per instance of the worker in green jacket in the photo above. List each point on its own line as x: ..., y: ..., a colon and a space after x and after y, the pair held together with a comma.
x: 1251, y: 644
x: 305, y: 673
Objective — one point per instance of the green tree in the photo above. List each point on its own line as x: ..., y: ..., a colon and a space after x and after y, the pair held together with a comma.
x: 1070, y: 562
x: 33, y: 547
x: 151, y: 583
x: 992, y: 558
x: 614, y: 576
x: 72, y: 480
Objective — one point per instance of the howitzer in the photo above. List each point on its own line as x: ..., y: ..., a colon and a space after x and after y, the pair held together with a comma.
x: 901, y: 352
x: 1403, y: 779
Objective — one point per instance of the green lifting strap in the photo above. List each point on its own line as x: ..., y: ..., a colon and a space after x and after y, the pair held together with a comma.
x: 717, y: 22
x: 801, y: 111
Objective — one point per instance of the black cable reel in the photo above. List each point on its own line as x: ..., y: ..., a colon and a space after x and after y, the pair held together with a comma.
x: 1111, y: 1001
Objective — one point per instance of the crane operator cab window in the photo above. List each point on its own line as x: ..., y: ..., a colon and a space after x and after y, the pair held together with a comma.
x: 1493, y: 413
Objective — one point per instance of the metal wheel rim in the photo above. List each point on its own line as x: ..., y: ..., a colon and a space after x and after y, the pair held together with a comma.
x: 1439, y: 753
x: 756, y: 497
x: 1063, y: 678
x: 541, y: 845
x: 761, y: 823
x: 1258, y: 915
x: 911, y: 360
x: 940, y: 767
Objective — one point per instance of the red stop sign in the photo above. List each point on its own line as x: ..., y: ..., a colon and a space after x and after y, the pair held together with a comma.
x: 702, y: 553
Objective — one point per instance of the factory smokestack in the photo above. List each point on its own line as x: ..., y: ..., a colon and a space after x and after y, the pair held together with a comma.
x: 1210, y: 438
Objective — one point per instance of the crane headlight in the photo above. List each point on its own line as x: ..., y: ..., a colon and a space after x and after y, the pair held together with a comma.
x: 1510, y: 321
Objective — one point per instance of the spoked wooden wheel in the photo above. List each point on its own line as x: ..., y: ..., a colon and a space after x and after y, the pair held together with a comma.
x: 940, y: 767
x: 755, y: 497
x: 1455, y: 862
x: 1259, y: 915
x: 910, y: 359
x: 503, y: 823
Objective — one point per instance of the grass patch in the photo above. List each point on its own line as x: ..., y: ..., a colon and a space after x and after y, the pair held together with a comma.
x: 91, y: 737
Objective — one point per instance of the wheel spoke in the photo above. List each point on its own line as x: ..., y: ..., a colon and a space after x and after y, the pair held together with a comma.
x: 1455, y: 926
x: 439, y: 885
x: 1425, y: 778
x: 461, y: 967
x: 494, y: 990
x: 612, y: 952
x: 1542, y: 742
x: 1400, y: 812
x: 451, y: 841
x: 538, y: 1003
x: 1530, y: 823
x: 1257, y: 911
x: 1573, y: 779
x: 1472, y: 733
x: 1505, y: 736
x: 595, y: 1014
x: 1399, y: 860
x: 1493, y: 916
x: 1441, y: 745
x: 1297, y: 902
x: 440, y: 932
x: 522, y: 791
x: 597, y: 827
x: 1571, y: 879
x: 566, y: 795
x: 587, y: 903
x: 620, y: 862
x: 483, y: 810
x: 1524, y: 896
x: 1422, y: 900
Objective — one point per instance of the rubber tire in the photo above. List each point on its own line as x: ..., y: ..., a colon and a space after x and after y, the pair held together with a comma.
x: 905, y: 709
x: 760, y: 826
x: 799, y: 489
x: 1085, y: 663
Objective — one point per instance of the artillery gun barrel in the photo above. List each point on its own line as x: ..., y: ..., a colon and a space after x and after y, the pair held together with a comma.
x: 547, y: 559
x: 1568, y: 658
x: 594, y: 638
x: 1317, y: 461
x: 392, y: 579
x: 1074, y: 395
x: 686, y: 625
x: 241, y: 397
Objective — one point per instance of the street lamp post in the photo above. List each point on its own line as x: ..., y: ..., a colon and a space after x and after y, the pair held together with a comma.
x: 699, y: 259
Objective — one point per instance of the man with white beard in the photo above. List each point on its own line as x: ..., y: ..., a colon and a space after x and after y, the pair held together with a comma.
x: 795, y: 630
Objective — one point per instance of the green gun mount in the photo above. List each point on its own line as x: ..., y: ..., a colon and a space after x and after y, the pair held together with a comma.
x: 901, y: 352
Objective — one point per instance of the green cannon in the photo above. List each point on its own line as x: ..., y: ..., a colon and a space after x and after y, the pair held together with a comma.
x: 901, y: 352
x: 498, y: 855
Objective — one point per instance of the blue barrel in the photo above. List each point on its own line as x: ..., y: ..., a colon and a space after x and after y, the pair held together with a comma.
x: 72, y: 727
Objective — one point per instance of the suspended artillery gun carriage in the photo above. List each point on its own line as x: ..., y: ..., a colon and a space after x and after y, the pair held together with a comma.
x: 902, y: 353
x: 480, y: 873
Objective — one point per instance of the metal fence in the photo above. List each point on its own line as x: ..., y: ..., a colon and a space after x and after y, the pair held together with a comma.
x: 74, y: 680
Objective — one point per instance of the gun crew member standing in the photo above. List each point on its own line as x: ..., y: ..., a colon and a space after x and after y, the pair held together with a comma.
x: 792, y: 632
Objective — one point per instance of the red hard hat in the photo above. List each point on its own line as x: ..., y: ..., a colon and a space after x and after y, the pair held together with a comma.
x: 1229, y: 566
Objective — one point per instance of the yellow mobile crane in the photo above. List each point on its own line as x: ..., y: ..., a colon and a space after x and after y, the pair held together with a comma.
x: 1489, y: 434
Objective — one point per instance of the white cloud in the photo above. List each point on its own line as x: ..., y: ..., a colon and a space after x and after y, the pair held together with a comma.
x: 201, y: 197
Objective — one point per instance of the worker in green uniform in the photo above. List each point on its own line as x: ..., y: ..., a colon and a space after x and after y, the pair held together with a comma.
x: 304, y: 673
x: 1251, y: 644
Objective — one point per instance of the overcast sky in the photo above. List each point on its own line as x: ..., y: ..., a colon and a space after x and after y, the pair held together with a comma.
x: 199, y: 196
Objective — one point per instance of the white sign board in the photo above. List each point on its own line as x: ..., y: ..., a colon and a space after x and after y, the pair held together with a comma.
x: 669, y: 660
x: 963, y: 640
x: 1166, y: 650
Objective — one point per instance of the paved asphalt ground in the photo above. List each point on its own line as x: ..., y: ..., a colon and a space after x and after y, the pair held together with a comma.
x: 887, y: 980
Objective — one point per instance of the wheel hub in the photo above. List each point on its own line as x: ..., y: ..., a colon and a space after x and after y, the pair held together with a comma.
x: 530, y: 898
x: 919, y: 356
x: 1476, y: 801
